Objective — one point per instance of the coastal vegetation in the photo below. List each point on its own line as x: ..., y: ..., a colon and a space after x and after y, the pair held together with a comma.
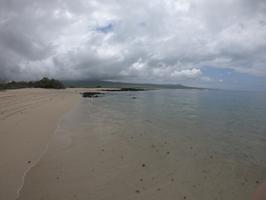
x: 43, y: 83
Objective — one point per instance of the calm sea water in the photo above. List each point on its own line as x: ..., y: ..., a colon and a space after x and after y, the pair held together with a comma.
x: 235, y: 119
x: 161, y: 144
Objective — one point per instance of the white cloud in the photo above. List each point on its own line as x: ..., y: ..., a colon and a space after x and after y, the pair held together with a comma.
x: 148, y: 40
x: 186, y: 73
x: 206, y: 79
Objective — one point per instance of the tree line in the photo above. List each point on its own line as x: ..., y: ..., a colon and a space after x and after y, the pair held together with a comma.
x: 43, y: 83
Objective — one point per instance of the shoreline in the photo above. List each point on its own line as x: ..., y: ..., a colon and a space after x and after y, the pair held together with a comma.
x: 46, y: 134
x: 108, y: 149
x: 59, y: 121
x: 28, y: 120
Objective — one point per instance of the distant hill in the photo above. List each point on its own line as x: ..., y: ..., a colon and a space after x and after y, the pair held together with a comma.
x: 56, y: 84
x: 110, y: 84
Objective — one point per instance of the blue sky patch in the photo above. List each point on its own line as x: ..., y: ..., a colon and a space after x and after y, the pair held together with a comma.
x: 232, y: 79
x: 106, y: 28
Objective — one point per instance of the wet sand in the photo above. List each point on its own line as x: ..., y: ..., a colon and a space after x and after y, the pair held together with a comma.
x: 98, y: 159
x: 28, y: 119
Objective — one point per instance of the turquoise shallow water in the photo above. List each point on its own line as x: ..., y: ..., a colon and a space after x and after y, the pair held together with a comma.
x: 161, y: 144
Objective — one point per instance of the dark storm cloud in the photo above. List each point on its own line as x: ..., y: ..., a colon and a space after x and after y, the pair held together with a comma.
x: 124, y: 39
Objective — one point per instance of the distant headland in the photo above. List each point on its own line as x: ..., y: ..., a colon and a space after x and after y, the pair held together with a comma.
x: 57, y: 84
x: 112, y: 84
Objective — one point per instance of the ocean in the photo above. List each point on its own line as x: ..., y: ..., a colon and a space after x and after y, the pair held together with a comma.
x: 157, y: 144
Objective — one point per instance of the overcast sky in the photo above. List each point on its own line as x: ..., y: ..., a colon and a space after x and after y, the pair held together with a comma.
x: 197, y: 42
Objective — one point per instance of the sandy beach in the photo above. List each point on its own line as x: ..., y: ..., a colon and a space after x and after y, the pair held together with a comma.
x: 28, y: 118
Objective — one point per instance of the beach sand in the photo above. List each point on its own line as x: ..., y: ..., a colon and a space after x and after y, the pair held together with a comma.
x: 28, y: 118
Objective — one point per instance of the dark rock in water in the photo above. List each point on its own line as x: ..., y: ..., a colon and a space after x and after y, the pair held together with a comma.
x: 123, y: 89
x: 91, y: 94
x: 132, y: 89
x: 134, y: 97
